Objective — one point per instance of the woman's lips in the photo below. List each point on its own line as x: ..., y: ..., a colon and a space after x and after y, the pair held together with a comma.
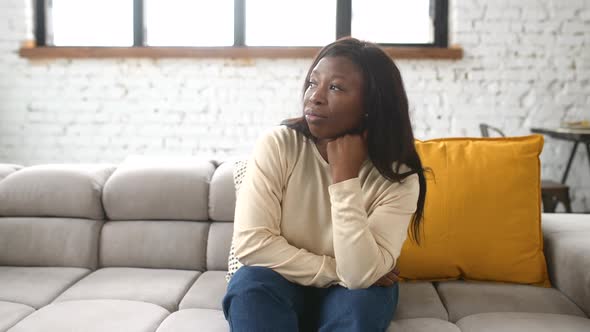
x: 313, y: 117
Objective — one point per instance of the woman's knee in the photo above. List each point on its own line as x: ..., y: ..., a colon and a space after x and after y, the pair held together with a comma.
x: 254, y: 278
x: 252, y: 274
x: 259, y: 288
x: 256, y: 281
x: 374, y: 305
x: 361, y: 309
x: 368, y: 296
x: 373, y: 297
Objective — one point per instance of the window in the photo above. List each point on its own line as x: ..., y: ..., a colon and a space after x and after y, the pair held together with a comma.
x: 239, y: 22
x: 294, y: 23
x: 393, y: 21
x: 182, y: 22
x: 82, y: 23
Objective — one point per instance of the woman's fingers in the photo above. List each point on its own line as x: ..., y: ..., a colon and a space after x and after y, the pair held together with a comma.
x: 385, y: 281
x: 378, y: 283
x: 389, y: 278
x: 392, y: 276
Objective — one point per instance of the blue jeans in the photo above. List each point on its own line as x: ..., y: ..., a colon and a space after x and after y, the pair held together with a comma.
x: 259, y: 299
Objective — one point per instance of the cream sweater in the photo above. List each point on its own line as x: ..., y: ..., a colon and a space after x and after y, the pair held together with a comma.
x: 290, y: 217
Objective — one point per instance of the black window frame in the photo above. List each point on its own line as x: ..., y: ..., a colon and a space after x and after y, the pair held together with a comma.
x: 438, y: 11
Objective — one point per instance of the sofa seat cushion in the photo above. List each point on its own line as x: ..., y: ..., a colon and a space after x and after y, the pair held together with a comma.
x: 210, y: 320
x: 467, y: 298
x: 12, y: 313
x: 94, y: 316
x: 523, y: 322
x: 567, y: 247
x: 419, y: 300
x: 162, y: 287
x: 36, y: 286
x: 207, y: 292
x: 422, y: 325
x: 191, y: 320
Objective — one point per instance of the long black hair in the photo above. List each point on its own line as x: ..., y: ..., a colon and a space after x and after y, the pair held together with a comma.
x: 389, y: 138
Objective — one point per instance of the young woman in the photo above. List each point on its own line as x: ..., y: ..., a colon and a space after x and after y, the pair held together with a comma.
x: 327, y: 202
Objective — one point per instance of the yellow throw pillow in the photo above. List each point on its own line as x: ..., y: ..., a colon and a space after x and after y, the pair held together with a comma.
x: 482, y: 214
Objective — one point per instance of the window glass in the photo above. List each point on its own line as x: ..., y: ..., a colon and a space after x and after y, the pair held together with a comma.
x: 290, y: 23
x: 91, y: 22
x: 392, y: 21
x: 189, y: 22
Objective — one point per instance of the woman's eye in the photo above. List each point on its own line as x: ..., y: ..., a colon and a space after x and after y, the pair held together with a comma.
x: 311, y: 83
x: 335, y: 87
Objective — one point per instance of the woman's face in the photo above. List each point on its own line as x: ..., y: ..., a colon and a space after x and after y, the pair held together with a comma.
x: 333, y: 102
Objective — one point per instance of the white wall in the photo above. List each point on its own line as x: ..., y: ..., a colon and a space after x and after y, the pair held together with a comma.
x: 526, y: 64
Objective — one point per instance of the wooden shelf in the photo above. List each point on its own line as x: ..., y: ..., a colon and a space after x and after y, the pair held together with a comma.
x: 32, y: 52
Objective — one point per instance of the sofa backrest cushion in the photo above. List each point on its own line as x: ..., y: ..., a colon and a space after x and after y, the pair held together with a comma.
x: 6, y: 169
x: 63, y: 242
x: 160, y: 244
x: 218, y: 245
x: 482, y: 218
x: 222, y: 196
x: 145, y: 188
x: 68, y: 190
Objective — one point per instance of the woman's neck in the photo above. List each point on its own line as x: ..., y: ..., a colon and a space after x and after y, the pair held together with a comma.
x: 322, y: 146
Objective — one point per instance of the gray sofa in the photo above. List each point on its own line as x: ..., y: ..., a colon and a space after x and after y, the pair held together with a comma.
x: 142, y: 246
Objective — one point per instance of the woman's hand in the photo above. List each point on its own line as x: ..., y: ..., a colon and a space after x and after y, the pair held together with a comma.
x: 388, y: 279
x: 346, y: 155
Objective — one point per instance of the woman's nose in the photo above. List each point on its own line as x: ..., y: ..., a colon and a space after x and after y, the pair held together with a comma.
x: 318, y: 97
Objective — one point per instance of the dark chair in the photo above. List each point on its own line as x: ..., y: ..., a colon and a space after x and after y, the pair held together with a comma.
x: 552, y: 192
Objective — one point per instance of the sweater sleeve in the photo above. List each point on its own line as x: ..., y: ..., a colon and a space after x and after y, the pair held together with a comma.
x: 257, y: 232
x: 367, y: 247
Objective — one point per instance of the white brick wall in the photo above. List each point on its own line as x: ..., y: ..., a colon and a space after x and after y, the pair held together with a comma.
x: 526, y: 64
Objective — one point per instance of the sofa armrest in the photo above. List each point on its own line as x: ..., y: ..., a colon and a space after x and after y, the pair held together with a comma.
x: 567, y: 250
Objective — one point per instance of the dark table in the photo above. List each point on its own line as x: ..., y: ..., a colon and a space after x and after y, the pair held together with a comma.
x: 574, y: 135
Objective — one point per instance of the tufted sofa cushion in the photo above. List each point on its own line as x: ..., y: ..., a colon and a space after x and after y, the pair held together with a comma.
x: 69, y: 190
x: 222, y: 196
x: 65, y: 242
x: 6, y: 169
x: 145, y: 188
x: 158, y: 244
